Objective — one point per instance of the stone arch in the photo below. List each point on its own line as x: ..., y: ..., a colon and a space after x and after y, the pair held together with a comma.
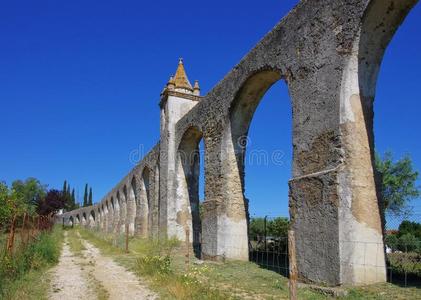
x: 77, y: 219
x: 116, y: 213
x: 132, y: 198
x: 187, y: 202
x: 84, y: 219
x: 144, y: 214
x: 121, y: 196
x: 98, y: 220
x: 156, y: 202
x: 234, y: 142
x: 92, y: 218
x: 110, y: 215
x: 364, y: 217
x: 71, y: 221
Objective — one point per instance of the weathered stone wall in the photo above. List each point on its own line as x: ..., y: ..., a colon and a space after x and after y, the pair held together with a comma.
x: 329, y: 53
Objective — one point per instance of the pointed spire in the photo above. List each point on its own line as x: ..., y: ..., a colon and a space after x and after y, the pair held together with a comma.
x: 180, y: 79
x: 196, y: 88
x: 171, y: 83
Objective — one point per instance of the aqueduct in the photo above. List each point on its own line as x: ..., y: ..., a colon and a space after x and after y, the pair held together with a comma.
x: 329, y: 53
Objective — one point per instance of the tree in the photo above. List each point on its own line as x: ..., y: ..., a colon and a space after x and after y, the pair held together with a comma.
x: 65, y: 187
x: 74, y: 199
x: 408, y: 227
x: 398, y: 183
x: 30, y: 192
x: 278, y: 227
x: 5, y: 207
x: 85, y: 196
x: 52, y: 202
x: 257, y: 227
x: 90, y: 197
x: 11, y: 204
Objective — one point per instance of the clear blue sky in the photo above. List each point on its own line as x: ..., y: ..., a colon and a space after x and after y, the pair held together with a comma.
x: 80, y: 84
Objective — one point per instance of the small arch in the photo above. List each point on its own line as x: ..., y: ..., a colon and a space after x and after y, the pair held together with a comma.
x: 133, y: 206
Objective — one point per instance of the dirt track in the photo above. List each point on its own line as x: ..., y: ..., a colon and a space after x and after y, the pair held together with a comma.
x: 93, y: 276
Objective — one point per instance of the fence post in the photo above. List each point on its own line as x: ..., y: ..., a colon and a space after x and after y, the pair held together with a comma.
x: 22, y: 231
x: 187, y: 261
x: 292, y: 266
x: 11, y: 238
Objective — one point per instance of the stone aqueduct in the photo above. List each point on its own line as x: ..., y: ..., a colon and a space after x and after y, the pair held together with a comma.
x: 329, y: 53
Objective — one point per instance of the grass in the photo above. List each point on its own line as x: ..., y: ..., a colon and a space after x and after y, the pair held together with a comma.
x: 209, y: 280
x: 75, y: 242
x: 22, y: 276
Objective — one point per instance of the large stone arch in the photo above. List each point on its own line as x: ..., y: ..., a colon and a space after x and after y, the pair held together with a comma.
x: 98, y: 220
x: 185, y: 208
x: 121, y: 196
x: 110, y: 214
x: 360, y: 212
x: 92, y: 218
x: 143, y: 207
x: 116, y: 213
x: 132, y: 200
x: 71, y: 221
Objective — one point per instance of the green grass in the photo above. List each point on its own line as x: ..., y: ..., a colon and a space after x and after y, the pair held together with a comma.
x: 22, y: 276
x: 75, y: 242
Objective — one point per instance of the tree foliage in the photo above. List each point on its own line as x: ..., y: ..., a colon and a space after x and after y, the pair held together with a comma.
x: 90, y: 197
x: 85, y: 196
x: 30, y: 192
x: 52, y: 202
x: 277, y: 227
x: 12, y: 203
x: 398, y: 183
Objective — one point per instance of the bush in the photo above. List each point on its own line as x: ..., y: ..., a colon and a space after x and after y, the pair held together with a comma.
x: 42, y: 252
x: 152, y: 265
x: 409, y: 263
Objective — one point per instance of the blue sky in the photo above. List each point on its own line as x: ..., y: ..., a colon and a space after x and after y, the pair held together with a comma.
x: 80, y: 84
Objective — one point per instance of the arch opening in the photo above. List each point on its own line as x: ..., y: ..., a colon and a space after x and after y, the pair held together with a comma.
x: 268, y: 188
x: 188, y: 187
x: 389, y: 44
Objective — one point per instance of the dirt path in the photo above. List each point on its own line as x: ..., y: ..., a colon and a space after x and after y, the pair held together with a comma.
x: 68, y: 280
x: 119, y: 283
x: 94, y: 276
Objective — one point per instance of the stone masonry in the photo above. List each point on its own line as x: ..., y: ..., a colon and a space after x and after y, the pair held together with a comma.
x: 329, y: 53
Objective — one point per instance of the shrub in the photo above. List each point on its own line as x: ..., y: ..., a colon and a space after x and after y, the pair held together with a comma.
x: 152, y: 265
x: 409, y: 263
x: 43, y: 251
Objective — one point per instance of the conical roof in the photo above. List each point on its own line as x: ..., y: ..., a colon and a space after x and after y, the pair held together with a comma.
x: 180, y: 78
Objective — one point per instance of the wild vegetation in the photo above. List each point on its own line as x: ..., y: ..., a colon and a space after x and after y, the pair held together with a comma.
x: 22, y: 274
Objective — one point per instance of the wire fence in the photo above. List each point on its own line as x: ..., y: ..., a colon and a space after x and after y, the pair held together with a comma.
x: 398, y: 258
x: 403, y: 249
x: 20, y: 231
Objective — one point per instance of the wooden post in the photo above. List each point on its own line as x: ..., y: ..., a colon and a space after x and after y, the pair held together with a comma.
x: 127, y: 238
x: 22, y: 231
x: 11, y: 238
x: 187, y: 261
x: 293, y: 276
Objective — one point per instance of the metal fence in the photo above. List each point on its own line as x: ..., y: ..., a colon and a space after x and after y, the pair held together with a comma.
x: 403, y: 249
x: 20, y: 231
x: 268, y: 247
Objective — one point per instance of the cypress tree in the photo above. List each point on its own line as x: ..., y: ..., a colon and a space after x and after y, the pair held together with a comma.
x: 65, y: 187
x: 90, y: 196
x: 73, y: 199
x: 85, y: 196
